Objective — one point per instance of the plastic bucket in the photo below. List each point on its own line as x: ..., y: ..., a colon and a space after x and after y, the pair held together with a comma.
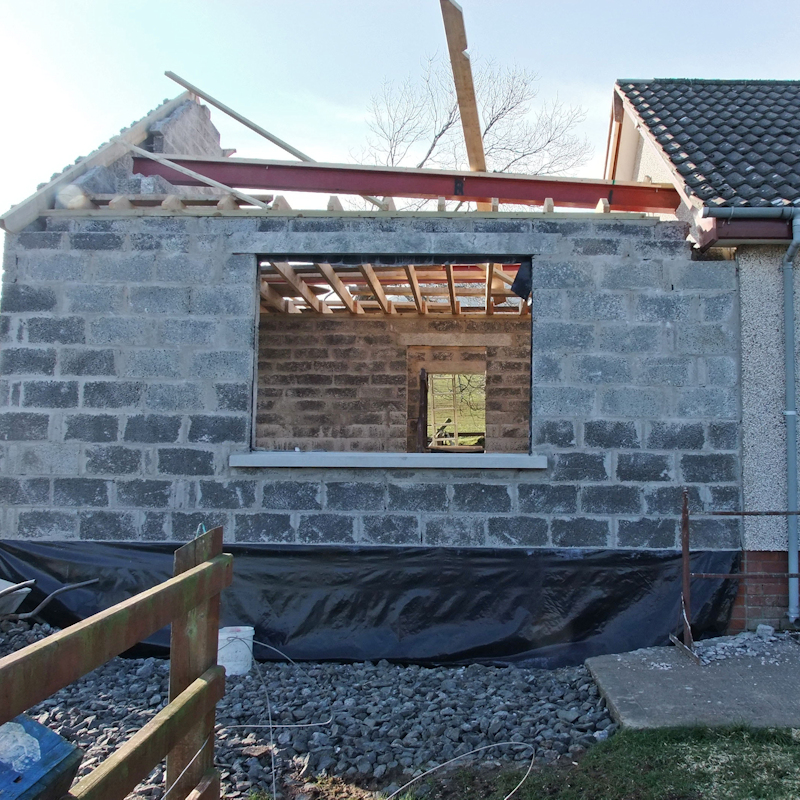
x: 235, y: 650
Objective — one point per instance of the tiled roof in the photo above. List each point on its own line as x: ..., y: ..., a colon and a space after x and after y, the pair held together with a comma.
x: 735, y: 143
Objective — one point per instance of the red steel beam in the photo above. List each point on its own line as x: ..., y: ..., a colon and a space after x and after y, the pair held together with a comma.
x: 719, y: 231
x: 397, y: 182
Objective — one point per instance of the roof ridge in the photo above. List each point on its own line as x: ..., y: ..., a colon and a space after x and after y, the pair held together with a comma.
x: 738, y: 81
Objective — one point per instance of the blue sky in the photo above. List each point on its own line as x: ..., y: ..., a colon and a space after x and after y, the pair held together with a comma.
x: 76, y: 71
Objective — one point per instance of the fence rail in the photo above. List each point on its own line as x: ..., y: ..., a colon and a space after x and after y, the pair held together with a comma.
x: 184, y: 729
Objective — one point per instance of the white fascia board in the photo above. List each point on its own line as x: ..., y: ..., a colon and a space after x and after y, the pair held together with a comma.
x: 264, y: 458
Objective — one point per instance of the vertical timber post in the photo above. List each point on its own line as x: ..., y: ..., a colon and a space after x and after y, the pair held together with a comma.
x: 193, y: 650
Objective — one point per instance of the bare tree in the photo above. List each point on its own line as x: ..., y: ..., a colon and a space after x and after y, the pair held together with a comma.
x: 416, y: 123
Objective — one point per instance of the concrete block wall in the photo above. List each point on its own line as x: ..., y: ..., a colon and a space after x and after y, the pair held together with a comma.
x: 127, y: 377
x: 351, y: 384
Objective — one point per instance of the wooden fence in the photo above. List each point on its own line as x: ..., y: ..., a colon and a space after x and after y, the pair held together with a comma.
x: 183, y: 731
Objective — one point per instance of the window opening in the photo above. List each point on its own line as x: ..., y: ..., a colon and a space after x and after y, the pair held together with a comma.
x: 457, y: 413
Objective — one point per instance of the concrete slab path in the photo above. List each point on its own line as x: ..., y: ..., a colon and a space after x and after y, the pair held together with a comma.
x: 661, y: 687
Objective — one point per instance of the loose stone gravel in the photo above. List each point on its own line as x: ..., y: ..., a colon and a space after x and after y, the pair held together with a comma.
x: 764, y: 644
x: 373, y: 724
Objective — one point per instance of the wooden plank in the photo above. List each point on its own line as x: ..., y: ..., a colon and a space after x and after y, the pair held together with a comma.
x: 328, y: 272
x: 276, y: 301
x: 297, y: 283
x: 414, y: 284
x: 488, y: 293
x: 119, y: 774
x: 207, y: 789
x: 22, y: 214
x: 375, y: 287
x: 455, y: 306
x: 32, y: 674
x: 456, y: 35
x: 193, y: 651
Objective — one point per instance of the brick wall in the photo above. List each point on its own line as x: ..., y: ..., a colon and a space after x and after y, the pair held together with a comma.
x: 353, y: 384
x: 762, y: 600
x: 128, y: 360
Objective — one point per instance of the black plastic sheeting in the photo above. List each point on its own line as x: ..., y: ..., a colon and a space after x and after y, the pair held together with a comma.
x: 541, y: 608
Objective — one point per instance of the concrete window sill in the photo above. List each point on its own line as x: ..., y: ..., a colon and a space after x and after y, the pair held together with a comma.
x: 483, y: 461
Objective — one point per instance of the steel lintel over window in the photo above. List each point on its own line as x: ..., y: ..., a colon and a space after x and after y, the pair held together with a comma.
x: 397, y: 182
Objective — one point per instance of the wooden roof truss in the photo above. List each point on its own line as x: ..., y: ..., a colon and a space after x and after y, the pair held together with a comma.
x: 372, y: 290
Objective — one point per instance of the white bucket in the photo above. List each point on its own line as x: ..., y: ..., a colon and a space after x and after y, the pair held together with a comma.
x: 235, y: 650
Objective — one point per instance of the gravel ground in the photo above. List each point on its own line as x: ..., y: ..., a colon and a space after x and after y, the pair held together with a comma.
x: 375, y: 725
x: 765, y: 644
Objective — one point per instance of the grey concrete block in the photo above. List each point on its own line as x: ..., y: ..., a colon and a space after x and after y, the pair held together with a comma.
x: 647, y: 532
x: 663, y: 308
x: 240, y: 268
x: 481, y: 497
x: 609, y: 434
x: 706, y: 339
x: 562, y: 401
x: 667, y: 371
x: 591, y: 305
x: 27, y: 361
x: 455, y: 531
x: 55, y: 330
x: 596, y: 247
x: 669, y: 500
x: 123, y: 267
x: 352, y: 496
x: 95, y: 241
x: 153, y: 364
x: 721, y: 371
x: 87, y: 361
x: 227, y: 494
x: 233, y: 396
x: 547, y: 304
x: 325, y: 529
x: 517, y: 532
x: 23, y: 426
x: 602, y: 369
x: 579, y: 467
x: 708, y: 402
x: 120, y: 330
x: 97, y: 299
x: 219, y: 300
x: 187, y: 332
x: 159, y: 300
x: 223, y: 365
x: 39, y: 240
x: 546, y: 369
x: 140, y: 493
x: 185, y: 268
x: 174, y: 396
x: 390, y: 529
x: 724, y: 498
x: 417, y: 497
x: 51, y: 525
x: 644, y: 467
x: 710, y: 468
x: 675, y: 436
x: 562, y: 336
x: 559, y: 433
x: 185, y: 461
x: 218, y: 428
x: 705, y: 275
x: 76, y: 492
x: 91, y: 428
x: 561, y: 274
x: 629, y: 338
x: 8, y: 327
x: 173, y: 243
x: 21, y: 298
x: 186, y: 526
x: 716, y: 534
x: 611, y: 499
x: 627, y: 402
x: 723, y: 435
x: 152, y: 428
x: 263, y: 528
x: 156, y: 527
x: 548, y: 498
x: 292, y: 495
x: 638, y: 275
x: 45, y: 458
x: 31, y: 492
x: 237, y: 333
x: 53, y: 266
x: 580, y: 532
x: 108, y: 525
x: 50, y: 394
x: 112, y: 394
x: 718, y: 308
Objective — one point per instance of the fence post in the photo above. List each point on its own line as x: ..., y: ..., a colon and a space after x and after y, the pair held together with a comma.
x: 686, y: 593
x: 193, y: 650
